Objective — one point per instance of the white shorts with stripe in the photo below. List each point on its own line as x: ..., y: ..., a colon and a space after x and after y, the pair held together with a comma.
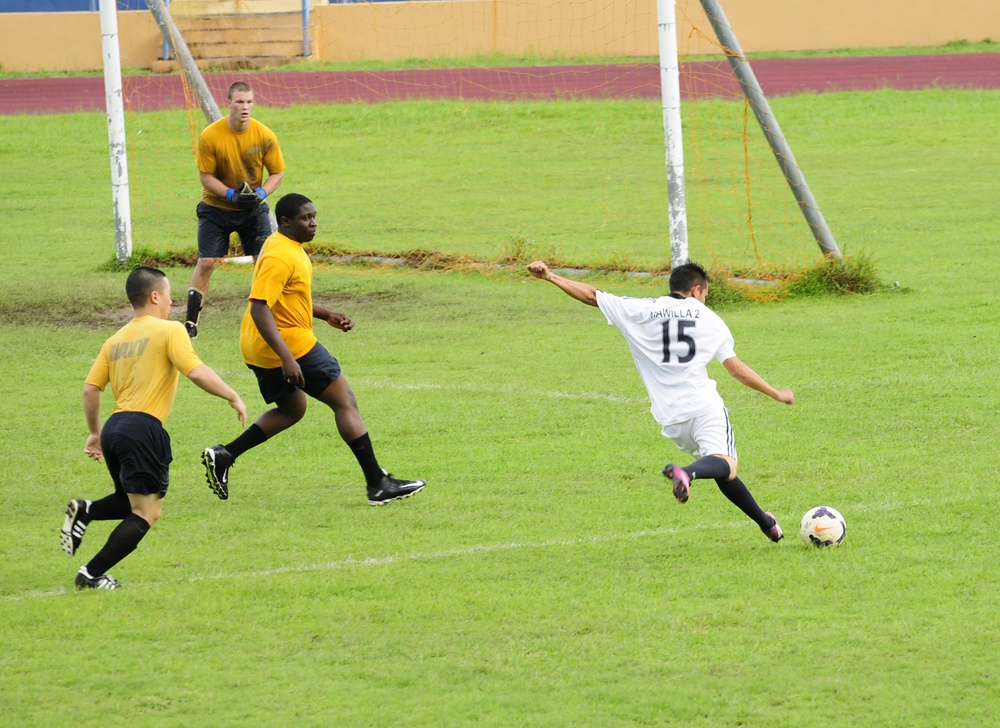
x: 706, y: 434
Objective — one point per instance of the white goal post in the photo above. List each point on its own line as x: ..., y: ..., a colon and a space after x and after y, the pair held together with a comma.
x: 671, y: 97
x: 116, y: 129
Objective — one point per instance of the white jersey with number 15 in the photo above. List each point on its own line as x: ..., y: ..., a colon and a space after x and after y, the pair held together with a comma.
x: 672, y: 340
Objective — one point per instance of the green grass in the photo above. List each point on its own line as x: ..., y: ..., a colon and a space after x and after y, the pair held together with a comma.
x: 545, y: 577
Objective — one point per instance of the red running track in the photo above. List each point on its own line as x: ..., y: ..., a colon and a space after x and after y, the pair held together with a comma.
x: 282, y: 88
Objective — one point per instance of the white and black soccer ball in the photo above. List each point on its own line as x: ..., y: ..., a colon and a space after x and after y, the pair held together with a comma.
x: 823, y: 526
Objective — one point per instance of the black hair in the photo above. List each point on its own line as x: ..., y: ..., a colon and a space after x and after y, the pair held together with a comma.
x: 685, y: 277
x: 141, y: 282
x: 289, y: 206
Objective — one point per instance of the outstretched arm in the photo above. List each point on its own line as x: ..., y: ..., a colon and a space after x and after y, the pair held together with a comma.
x: 748, y: 377
x: 583, y: 292
x: 206, y: 378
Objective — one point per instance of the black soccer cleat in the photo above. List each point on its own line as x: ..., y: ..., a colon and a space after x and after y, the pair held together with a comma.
x: 192, y: 329
x: 217, y: 462
x: 681, y: 480
x: 390, y: 489
x: 105, y: 581
x: 774, y: 532
x: 71, y: 533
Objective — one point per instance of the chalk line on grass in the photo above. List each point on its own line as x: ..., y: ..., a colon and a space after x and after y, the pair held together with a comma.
x: 475, y: 550
x: 374, y: 561
x: 501, y: 389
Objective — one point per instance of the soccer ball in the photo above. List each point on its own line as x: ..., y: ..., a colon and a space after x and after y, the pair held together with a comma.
x: 823, y: 526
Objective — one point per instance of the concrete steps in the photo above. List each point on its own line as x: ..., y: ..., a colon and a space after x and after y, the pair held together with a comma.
x: 239, y: 41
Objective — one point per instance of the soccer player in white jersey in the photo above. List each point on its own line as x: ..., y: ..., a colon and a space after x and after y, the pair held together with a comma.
x: 672, y: 340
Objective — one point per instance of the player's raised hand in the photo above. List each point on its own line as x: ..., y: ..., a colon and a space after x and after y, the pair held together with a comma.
x: 538, y: 269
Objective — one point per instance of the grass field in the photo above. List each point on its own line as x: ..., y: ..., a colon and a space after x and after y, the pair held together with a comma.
x: 545, y: 577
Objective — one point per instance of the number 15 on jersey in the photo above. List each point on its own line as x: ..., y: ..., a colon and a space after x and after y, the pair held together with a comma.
x: 675, y: 331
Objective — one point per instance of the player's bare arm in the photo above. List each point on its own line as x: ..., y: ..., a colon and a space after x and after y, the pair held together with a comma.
x: 583, y: 292
x: 206, y: 378
x: 336, y: 319
x: 748, y: 377
x: 92, y: 413
x: 212, y: 183
x: 272, y: 182
x: 263, y: 319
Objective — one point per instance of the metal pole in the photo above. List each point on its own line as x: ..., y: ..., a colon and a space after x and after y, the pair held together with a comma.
x: 769, y: 124
x: 115, y: 104
x: 166, y: 45
x: 305, y: 27
x: 190, y: 69
x: 670, y: 92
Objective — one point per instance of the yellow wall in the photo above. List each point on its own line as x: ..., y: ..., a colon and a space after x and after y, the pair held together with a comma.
x: 72, y: 41
x: 345, y: 32
x: 179, y: 8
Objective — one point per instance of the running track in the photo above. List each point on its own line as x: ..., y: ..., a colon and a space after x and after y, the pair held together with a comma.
x: 777, y: 77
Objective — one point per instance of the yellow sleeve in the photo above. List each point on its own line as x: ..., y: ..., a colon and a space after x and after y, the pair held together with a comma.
x: 269, y: 279
x: 100, y: 374
x: 274, y: 162
x: 180, y: 351
x: 206, y: 153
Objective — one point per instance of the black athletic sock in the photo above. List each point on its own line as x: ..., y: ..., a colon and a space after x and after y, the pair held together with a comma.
x: 250, y: 438
x: 710, y: 467
x: 737, y: 492
x: 363, y: 451
x: 122, y: 541
x: 194, y: 305
x: 112, y: 507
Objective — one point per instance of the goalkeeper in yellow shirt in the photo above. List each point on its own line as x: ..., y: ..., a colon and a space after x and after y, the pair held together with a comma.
x: 233, y: 153
x: 142, y: 362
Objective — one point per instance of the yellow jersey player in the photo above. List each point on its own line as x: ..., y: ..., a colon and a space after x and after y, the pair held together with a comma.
x: 233, y: 153
x: 281, y: 349
x: 142, y: 362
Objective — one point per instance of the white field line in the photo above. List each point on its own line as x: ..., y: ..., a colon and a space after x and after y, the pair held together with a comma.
x: 483, y: 549
x: 475, y: 550
x: 375, y: 561
x: 502, y: 389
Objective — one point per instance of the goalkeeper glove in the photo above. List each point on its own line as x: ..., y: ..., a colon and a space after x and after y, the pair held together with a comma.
x: 262, y: 193
x: 246, y: 198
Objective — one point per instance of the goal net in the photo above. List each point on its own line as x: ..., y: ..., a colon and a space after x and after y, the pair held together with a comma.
x: 475, y: 130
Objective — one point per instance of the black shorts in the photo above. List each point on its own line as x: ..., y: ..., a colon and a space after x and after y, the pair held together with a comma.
x: 215, y: 226
x: 137, y: 452
x: 318, y: 367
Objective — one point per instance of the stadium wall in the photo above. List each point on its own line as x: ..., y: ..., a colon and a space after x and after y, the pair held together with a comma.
x: 71, y: 41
